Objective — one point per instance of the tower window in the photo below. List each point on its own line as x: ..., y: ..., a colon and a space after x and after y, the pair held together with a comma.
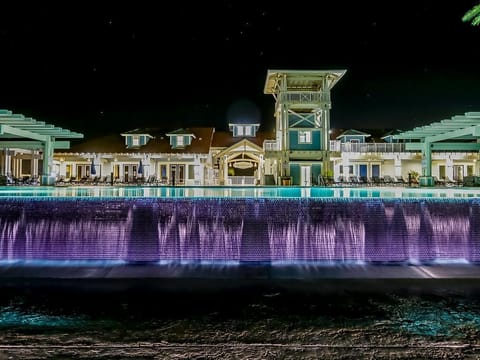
x: 304, y: 137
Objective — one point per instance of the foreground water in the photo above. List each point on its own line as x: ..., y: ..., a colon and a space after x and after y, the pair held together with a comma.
x: 247, y: 323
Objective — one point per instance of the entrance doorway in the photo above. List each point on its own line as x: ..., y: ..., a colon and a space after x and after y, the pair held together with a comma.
x: 305, y: 176
x: 458, y: 172
x: 177, y: 174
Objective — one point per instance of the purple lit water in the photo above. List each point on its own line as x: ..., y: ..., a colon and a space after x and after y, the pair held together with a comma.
x: 240, y: 229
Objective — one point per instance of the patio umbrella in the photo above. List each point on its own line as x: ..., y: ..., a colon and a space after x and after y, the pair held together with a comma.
x: 92, y: 168
x: 140, y: 168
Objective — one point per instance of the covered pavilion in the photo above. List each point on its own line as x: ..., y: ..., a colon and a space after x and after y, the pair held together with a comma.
x: 459, y: 133
x: 20, y: 132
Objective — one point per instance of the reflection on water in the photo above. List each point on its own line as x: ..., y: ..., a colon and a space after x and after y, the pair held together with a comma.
x: 444, y: 316
x: 14, y: 317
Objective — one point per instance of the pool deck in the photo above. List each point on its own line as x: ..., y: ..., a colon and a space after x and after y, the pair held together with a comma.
x: 200, y: 277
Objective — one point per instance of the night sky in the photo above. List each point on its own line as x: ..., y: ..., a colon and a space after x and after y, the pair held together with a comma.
x: 101, y: 69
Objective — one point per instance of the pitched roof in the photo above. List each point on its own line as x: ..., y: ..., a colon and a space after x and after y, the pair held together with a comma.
x: 352, y: 132
x: 160, y: 143
x: 200, y: 144
x: 392, y: 132
x: 143, y: 131
x: 180, y: 132
x: 376, y: 135
x: 225, y: 138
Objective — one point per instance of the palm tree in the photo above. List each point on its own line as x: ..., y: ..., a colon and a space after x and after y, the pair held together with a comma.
x: 472, y: 15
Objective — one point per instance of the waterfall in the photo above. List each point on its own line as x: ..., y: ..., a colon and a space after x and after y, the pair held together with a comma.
x: 241, y: 229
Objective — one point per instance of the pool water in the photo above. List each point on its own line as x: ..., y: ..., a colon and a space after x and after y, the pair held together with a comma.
x: 238, y: 192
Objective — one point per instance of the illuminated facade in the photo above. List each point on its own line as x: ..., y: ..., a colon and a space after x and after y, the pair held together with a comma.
x: 302, y: 150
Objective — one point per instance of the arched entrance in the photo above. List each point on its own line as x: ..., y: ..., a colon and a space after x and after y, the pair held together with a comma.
x: 241, y: 164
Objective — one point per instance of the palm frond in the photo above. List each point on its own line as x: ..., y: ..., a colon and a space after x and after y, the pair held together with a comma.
x: 472, y: 15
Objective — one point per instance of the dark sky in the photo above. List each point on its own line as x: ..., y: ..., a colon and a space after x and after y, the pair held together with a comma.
x: 108, y: 68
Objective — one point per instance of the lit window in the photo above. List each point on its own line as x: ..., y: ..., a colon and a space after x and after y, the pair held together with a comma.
x: 180, y: 141
x: 239, y: 130
x: 304, y: 137
x: 135, y: 140
x: 248, y: 131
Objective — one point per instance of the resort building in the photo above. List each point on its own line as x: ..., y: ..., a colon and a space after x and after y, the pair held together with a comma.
x: 191, y: 156
x: 302, y: 150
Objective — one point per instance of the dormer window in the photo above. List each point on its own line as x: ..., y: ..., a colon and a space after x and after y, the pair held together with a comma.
x: 135, y: 140
x: 353, y: 136
x: 180, y: 141
x: 180, y: 138
x: 241, y: 130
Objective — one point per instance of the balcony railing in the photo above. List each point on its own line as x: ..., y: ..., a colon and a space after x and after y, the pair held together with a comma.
x: 242, y: 180
x: 367, y: 147
x: 306, y: 97
x: 271, y: 145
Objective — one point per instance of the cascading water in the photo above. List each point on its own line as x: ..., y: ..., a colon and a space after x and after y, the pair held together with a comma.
x: 240, y: 230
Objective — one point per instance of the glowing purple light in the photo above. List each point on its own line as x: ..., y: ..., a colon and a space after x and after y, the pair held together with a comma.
x: 225, y: 230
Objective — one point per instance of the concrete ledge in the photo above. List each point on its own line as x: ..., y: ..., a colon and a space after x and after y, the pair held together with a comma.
x: 193, y: 277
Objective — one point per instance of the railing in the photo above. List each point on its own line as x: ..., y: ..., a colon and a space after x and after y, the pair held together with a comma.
x: 306, y: 97
x: 367, y: 147
x: 271, y: 145
x: 242, y: 180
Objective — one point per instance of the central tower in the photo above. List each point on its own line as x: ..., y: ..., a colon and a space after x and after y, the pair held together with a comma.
x: 302, y: 123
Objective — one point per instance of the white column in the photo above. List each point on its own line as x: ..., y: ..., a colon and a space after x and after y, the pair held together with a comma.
x: 261, y: 170
x: 47, y: 156
x: 398, y: 166
x: 8, y: 163
x: 346, y: 164
x: 34, y: 164
x: 225, y: 170
x: 201, y: 172
x: 449, y: 167
x: 336, y: 169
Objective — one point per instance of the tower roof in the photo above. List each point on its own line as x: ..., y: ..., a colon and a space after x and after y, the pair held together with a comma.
x: 301, y: 80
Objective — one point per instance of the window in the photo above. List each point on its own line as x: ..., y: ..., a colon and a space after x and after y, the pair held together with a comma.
x: 68, y: 171
x: 116, y: 171
x: 180, y: 141
x: 239, y: 130
x: 26, y: 166
x: 304, y: 137
x: 135, y: 140
x: 191, y: 172
x: 469, y: 170
x: 441, y: 171
x: 248, y: 131
x: 163, y: 173
x: 348, y: 168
